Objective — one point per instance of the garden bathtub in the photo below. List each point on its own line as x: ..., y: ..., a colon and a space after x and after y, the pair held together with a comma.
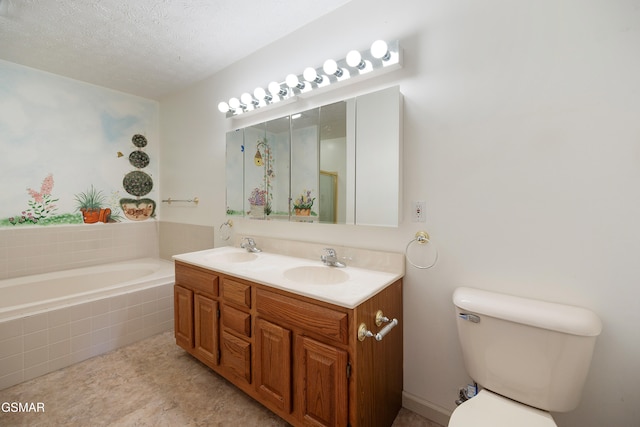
x: 52, y: 320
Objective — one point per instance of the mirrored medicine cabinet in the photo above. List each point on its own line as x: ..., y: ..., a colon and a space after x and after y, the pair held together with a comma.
x: 337, y: 163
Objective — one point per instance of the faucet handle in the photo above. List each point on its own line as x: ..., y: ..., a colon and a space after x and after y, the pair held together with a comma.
x: 330, y: 252
x: 330, y: 258
x: 247, y: 242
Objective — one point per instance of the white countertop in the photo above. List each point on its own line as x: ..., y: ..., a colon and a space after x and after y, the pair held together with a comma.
x: 270, y: 269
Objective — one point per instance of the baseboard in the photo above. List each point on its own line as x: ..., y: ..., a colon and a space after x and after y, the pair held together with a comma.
x: 426, y: 409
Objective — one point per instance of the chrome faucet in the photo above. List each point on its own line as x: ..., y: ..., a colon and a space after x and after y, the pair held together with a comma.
x: 329, y: 258
x: 250, y: 245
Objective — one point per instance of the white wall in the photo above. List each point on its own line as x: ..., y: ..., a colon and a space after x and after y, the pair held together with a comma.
x: 521, y: 133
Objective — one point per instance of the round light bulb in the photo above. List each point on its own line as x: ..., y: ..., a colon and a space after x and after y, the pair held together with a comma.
x: 234, y: 103
x: 223, y: 107
x: 331, y: 68
x: 246, y: 98
x: 260, y: 93
x: 275, y: 89
x: 292, y: 81
x: 354, y: 59
x: 311, y: 75
x: 380, y: 50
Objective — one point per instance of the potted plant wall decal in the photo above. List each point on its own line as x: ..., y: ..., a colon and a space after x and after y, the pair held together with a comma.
x: 138, y: 183
x: 90, y: 203
x: 258, y: 202
x: 302, y: 205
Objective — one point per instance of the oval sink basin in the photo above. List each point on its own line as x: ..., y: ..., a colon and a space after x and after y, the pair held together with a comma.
x: 232, y: 257
x: 312, y: 275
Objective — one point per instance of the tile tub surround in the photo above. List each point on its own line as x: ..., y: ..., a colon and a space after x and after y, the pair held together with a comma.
x: 150, y: 383
x: 176, y: 238
x: 35, y: 345
x: 27, y: 250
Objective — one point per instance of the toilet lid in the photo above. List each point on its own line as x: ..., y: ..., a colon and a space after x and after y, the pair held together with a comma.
x: 488, y: 409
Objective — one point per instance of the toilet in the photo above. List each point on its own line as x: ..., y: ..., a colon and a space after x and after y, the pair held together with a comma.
x: 529, y: 358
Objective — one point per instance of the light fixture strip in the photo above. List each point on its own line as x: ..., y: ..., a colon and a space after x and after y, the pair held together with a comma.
x: 381, y: 55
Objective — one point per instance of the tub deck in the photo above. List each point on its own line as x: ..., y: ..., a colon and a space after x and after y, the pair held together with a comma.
x: 29, y: 295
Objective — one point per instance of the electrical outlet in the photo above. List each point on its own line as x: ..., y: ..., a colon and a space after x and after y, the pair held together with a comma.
x: 418, y: 211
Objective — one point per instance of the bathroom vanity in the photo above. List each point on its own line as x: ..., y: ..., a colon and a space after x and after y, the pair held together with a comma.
x: 285, y: 330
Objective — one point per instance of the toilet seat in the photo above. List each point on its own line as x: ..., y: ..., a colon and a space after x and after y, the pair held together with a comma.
x: 488, y: 409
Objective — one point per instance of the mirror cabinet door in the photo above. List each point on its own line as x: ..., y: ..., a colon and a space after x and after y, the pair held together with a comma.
x: 235, y: 173
x: 256, y: 162
x: 277, y: 171
x: 305, y: 165
x: 378, y: 159
x: 266, y: 169
x: 332, y: 193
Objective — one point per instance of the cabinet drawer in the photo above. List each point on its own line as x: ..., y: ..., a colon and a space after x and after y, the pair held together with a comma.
x: 236, y: 292
x: 236, y: 320
x: 320, y: 320
x: 197, y: 279
x: 235, y: 357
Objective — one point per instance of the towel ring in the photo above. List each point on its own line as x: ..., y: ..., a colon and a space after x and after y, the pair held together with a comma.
x: 225, y: 230
x: 422, y: 238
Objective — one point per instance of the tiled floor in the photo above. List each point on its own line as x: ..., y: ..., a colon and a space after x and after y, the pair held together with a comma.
x: 150, y: 383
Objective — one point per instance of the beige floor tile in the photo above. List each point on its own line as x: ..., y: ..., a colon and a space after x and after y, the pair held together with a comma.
x: 149, y: 383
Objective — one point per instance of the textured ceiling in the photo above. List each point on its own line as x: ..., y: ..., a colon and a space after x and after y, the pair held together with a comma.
x: 148, y: 48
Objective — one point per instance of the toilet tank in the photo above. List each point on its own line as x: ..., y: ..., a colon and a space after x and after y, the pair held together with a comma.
x: 531, y: 351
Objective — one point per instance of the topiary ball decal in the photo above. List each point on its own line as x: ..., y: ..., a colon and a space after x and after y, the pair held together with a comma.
x: 139, y: 159
x: 139, y: 140
x: 137, y: 183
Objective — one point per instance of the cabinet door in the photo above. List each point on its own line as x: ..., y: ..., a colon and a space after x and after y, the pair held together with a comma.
x: 183, y: 317
x: 273, y: 364
x: 235, y: 356
x: 321, y: 383
x: 206, y: 329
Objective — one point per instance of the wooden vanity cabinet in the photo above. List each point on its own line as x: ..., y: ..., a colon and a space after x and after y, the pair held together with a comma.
x: 196, y: 313
x: 183, y: 317
x: 273, y: 365
x: 300, y: 357
x: 322, y: 376
x: 319, y: 338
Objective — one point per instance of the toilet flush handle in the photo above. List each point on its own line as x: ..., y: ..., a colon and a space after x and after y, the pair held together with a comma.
x: 470, y: 317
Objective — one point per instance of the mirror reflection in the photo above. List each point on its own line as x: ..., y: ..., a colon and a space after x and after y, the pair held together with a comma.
x: 235, y: 173
x: 318, y: 174
x: 304, y: 167
x: 266, y: 169
x: 333, y: 163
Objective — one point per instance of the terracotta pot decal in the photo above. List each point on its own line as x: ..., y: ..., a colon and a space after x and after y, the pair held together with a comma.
x: 303, y: 212
x: 105, y: 215
x: 91, y: 216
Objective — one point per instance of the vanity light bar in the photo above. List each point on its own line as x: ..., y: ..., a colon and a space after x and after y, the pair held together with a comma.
x: 381, y: 56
